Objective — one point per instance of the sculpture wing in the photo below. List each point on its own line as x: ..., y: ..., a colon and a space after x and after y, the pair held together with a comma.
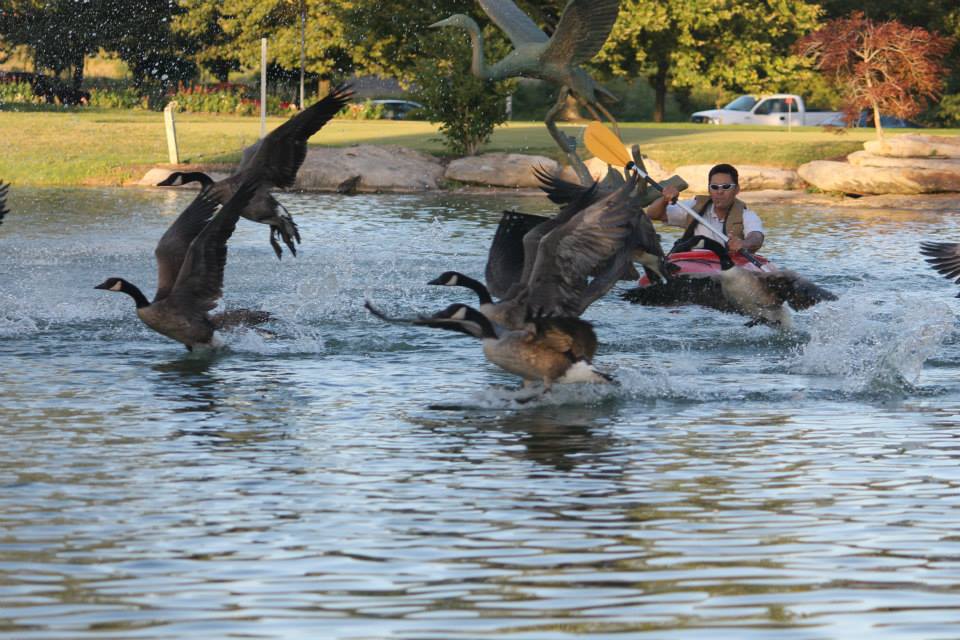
x: 277, y: 158
x: 172, y: 247
x: 505, y: 258
x: 583, y: 28
x: 515, y: 23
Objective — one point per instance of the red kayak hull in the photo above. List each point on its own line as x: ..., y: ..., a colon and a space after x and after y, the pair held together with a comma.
x: 705, y: 261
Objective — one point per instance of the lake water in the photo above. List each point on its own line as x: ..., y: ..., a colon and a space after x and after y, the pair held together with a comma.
x: 345, y: 478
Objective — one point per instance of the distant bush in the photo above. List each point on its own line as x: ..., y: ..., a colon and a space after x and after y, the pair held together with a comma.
x: 18, y: 93
x: 227, y: 98
x: 947, y: 113
x: 125, y: 98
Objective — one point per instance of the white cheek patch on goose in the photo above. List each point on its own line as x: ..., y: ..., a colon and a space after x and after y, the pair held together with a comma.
x: 461, y: 314
x: 452, y: 282
x: 118, y: 286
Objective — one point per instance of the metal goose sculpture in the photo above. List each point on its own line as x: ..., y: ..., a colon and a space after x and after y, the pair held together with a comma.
x: 583, y: 28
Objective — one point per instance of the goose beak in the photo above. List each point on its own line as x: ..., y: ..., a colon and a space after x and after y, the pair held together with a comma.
x: 102, y: 285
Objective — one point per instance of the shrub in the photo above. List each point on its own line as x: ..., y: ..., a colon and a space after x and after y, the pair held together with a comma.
x: 467, y: 107
x: 361, y: 111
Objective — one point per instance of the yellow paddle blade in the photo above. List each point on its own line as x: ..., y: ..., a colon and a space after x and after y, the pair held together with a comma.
x: 605, y: 144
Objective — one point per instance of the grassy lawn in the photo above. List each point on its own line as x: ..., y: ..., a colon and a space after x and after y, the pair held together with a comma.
x: 114, y: 147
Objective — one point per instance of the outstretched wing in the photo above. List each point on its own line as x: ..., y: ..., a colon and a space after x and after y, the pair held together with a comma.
x: 583, y: 28
x: 200, y: 282
x: 4, y: 188
x: 505, y: 258
x: 172, y: 247
x: 515, y: 23
x: 575, y: 251
x: 944, y: 257
x: 795, y: 290
x: 277, y: 158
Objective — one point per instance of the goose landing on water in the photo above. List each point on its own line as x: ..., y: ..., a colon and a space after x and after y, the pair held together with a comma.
x: 761, y: 295
x: 191, y: 256
x: 272, y: 163
x: 546, y: 350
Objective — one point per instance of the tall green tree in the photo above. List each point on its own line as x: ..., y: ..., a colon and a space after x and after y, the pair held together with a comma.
x: 738, y: 45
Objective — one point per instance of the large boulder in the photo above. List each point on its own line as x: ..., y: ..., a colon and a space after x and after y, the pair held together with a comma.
x: 916, y: 146
x: 598, y: 168
x: 500, y: 169
x: 379, y: 168
x: 847, y: 178
x: 867, y: 159
x: 752, y: 177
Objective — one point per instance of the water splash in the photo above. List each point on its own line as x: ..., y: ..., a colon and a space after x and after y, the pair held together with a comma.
x: 874, y: 345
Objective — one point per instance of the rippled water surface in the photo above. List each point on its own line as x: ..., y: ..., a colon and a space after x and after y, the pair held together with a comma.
x: 344, y: 478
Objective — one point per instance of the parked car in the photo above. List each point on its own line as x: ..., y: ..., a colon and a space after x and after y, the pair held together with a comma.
x: 397, y: 109
x: 891, y: 122
x: 773, y: 109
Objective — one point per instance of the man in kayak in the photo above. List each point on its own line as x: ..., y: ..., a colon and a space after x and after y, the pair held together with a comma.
x: 721, y: 209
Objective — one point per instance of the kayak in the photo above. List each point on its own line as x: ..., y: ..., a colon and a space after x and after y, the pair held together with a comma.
x: 706, y: 261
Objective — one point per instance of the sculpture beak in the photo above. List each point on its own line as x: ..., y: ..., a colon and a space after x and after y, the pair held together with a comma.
x: 435, y: 25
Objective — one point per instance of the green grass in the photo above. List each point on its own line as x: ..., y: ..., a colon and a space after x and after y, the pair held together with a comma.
x: 78, y: 147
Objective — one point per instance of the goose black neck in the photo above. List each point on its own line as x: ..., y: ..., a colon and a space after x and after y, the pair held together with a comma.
x: 483, y: 294
x: 187, y: 177
x: 138, y: 298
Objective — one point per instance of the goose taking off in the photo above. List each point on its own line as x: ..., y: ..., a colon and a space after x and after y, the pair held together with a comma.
x: 583, y: 28
x: 545, y: 350
x: 271, y: 163
x: 565, y: 263
x: 761, y: 295
x: 944, y: 257
x: 191, y: 256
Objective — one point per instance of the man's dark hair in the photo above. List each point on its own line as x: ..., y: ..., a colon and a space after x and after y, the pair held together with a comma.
x: 724, y: 168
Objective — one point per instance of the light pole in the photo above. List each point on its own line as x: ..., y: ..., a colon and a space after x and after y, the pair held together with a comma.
x: 303, y: 46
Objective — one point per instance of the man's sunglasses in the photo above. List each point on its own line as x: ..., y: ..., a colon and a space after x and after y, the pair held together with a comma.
x: 726, y: 186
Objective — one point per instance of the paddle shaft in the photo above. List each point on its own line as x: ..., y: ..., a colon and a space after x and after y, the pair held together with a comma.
x: 696, y: 216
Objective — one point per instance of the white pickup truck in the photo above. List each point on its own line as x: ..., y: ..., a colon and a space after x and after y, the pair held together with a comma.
x: 772, y: 109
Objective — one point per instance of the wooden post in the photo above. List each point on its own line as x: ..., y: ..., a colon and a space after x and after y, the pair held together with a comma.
x: 303, y: 48
x: 173, y: 152
x: 263, y: 88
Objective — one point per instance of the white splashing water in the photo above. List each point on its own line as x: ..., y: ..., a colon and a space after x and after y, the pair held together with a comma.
x: 874, y: 344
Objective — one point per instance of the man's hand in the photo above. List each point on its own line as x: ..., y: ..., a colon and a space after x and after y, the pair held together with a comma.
x: 670, y: 193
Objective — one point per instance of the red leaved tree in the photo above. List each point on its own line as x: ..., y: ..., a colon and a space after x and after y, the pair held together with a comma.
x: 882, y: 66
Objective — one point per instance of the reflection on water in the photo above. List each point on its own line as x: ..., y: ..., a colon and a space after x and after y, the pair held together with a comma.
x: 343, y: 478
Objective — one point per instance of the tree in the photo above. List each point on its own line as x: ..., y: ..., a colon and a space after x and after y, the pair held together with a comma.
x: 742, y: 46
x: 882, y: 66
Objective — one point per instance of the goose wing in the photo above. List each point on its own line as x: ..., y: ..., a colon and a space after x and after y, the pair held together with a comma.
x: 568, y: 335
x: 277, y: 158
x: 512, y: 21
x: 172, y: 247
x: 4, y: 188
x: 944, y: 257
x: 794, y: 289
x: 200, y: 282
x: 573, y: 252
x: 704, y: 290
x: 505, y: 257
x: 582, y: 30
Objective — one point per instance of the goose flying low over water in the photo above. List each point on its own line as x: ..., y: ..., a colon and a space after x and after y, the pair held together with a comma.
x: 944, y: 257
x: 271, y: 163
x: 544, y: 350
x: 761, y: 295
x: 191, y: 256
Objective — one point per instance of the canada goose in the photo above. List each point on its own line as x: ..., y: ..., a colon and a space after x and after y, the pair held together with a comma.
x: 272, y: 162
x: 944, y: 257
x: 569, y: 261
x: 546, y: 350
x: 758, y: 294
x: 4, y: 188
x: 191, y: 256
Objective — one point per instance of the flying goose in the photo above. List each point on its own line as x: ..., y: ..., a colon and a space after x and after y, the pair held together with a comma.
x: 944, y: 257
x: 272, y: 162
x: 545, y: 350
x: 761, y: 295
x: 568, y: 261
x: 191, y: 256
